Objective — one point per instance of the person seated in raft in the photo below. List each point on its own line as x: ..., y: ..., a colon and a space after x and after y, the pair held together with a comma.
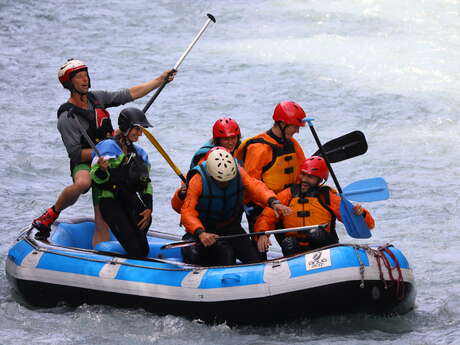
x: 312, y: 203
x: 226, y: 133
x: 274, y: 156
x: 121, y: 174
x: 213, y: 207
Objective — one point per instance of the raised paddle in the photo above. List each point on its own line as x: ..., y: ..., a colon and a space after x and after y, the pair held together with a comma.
x: 182, y: 244
x: 163, y: 153
x: 149, y: 135
x: 354, y: 224
x: 181, y: 59
x: 347, y: 146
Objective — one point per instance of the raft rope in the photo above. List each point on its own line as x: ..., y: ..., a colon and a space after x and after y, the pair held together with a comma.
x: 361, y: 265
x: 383, y: 261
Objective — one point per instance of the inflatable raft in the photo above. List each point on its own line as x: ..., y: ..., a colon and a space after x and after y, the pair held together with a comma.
x: 336, y: 279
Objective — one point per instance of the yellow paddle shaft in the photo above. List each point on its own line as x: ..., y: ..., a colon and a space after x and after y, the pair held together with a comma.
x: 160, y: 149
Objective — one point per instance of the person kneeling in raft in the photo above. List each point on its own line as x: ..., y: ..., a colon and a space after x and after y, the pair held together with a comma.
x: 312, y: 203
x: 226, y: 133
x: 121, y: 176
x: 213, y: 207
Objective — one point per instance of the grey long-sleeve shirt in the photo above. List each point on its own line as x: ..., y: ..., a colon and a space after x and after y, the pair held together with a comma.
x: 69, y: 129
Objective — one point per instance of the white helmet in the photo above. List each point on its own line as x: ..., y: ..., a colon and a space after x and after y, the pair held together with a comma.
x: 221, y: 165
x: 68, y: 69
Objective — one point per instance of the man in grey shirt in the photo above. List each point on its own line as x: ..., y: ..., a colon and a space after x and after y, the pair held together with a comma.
x: 85, y: 110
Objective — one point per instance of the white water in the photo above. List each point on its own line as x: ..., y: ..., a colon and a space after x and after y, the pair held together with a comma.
x: 387, y: 68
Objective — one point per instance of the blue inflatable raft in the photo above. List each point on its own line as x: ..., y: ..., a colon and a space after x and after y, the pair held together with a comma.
x: 335, y: 279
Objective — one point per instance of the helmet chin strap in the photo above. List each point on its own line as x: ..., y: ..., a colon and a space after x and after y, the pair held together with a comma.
x: 283, y: 134
x: 125, y: 136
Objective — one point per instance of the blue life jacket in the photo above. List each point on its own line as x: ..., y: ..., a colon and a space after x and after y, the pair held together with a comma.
x: 219, y: 205
x: 200, y: 153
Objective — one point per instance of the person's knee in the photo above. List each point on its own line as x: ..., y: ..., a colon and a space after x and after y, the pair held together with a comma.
x: 82, y: 186
x: 82, y: 181
x: 289, y: 246
x: 225, y: 255
x: 190, y: 254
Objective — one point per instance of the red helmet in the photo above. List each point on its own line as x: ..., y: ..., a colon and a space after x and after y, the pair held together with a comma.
x: 225, y: 127
x: 315, y: 166
x: 214, y: 149
x: 289, y: 112
x: 69, y: 69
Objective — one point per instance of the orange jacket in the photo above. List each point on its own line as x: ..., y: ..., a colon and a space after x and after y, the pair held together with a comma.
x: 176, y: 201
x: 255, y: 191
x: 268, y: 220
x: 259, y: 161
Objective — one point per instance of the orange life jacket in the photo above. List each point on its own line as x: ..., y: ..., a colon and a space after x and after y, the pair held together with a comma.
x: 309, y: 209
x: 283, y: 169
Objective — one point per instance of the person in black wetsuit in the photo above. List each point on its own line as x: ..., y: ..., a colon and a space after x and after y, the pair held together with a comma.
x: 122, y: 176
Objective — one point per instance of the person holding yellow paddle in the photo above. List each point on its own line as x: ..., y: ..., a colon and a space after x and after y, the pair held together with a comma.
x: 121, y: 172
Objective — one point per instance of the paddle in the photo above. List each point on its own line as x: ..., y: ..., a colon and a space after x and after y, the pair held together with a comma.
x: 347, y: 146
x: 367, y: 190
x: 84, y: 133
x: 163, y: 153
x: 182, y: 244
x: 149, y: 135
x: 355, y: 225
x: 181, y: 59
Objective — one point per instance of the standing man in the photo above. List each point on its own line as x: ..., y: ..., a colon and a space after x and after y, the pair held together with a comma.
x: 85, y: 110
x: 274, y: 156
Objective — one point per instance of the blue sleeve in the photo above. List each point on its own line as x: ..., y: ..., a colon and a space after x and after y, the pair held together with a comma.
x: 141, y: 152
x: 108, y: 147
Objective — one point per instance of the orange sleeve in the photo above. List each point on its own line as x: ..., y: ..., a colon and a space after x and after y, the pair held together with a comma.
x: 335, y: 206
x: 189, y: 214
x: 369, y: 220
x: 255, y: 190
x: 257, y: 156
x: 267, y: 219
x: 176, y: 201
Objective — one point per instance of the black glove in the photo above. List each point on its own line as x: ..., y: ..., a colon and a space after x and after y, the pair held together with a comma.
x: 42, y: 234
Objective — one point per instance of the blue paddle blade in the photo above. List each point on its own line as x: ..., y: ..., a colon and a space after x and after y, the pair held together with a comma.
x: 371, y: 189
x: 355, y: 225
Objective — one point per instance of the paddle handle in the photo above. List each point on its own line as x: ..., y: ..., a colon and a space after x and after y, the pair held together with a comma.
x: 179, y: 62
x: 84, y: 133
x: 270, y: 232
x: 155, y: 95
x: 210, y: 20
x: 160, y: 149
x: 321, y: 149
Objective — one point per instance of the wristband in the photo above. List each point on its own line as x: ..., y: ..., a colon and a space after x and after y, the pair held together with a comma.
x: 198, y: 232
x: 274, y: 201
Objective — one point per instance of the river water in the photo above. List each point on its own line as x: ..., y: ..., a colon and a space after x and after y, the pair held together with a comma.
x: 388, y: 68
